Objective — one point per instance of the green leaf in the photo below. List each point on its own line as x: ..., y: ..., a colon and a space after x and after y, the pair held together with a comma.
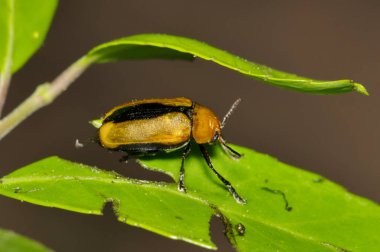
x: 23, y: 27
x: 320, y: 215
x: 54, y: 182
x: 12, y: 242
x: 148, y: 46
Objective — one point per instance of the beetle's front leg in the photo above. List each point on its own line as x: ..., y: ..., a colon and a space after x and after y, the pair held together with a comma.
x: 220, y: 177
x: 228, y: 150
x: 181, y: 184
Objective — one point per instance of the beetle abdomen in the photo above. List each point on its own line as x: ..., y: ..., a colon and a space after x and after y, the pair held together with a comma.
x: 165, y: 132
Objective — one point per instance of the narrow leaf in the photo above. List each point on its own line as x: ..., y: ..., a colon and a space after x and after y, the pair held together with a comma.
x: 12, y: 242
x: 288, y: 209
x: 23, y: 27
x: 148, y: 46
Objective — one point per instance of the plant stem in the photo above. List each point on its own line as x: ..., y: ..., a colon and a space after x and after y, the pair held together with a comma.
x: 5, y: 79
x: 43, y: 95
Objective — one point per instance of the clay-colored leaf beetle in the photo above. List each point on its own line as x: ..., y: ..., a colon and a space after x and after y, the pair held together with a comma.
x: 149, y: 126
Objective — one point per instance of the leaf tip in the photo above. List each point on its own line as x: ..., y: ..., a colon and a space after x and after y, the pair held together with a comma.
x: 361, y: 89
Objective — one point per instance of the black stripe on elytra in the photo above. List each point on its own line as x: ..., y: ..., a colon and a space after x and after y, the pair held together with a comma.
x: 146, y: 149
x: 145, y: 111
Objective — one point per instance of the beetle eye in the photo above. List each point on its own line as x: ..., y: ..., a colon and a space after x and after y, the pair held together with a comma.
x: 215, y: 137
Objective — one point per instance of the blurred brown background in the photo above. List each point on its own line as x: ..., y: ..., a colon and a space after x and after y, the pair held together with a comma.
x: 335, y: 136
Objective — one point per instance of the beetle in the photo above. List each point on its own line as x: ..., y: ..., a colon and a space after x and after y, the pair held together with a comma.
x: 145, y: 127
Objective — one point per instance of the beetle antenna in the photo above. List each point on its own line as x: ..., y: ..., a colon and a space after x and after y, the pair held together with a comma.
x: 229, y: 113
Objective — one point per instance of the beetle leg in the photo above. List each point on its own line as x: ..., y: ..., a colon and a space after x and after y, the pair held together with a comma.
x: 231, y: 152
x: 124, y: 159
x: 228, y: 150
x: 181, y: 184
x: 225, y: 182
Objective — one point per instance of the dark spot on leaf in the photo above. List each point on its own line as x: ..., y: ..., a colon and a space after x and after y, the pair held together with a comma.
x: 266, y: 181
x: 16, y: 189
x: 179, y: 217
x: 240, y: 229
x: 287, y: 207
x: 318, y: 180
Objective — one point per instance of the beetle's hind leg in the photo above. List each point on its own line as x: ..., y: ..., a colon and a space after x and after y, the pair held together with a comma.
x: 225, y: 181
x: 181, y: 184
